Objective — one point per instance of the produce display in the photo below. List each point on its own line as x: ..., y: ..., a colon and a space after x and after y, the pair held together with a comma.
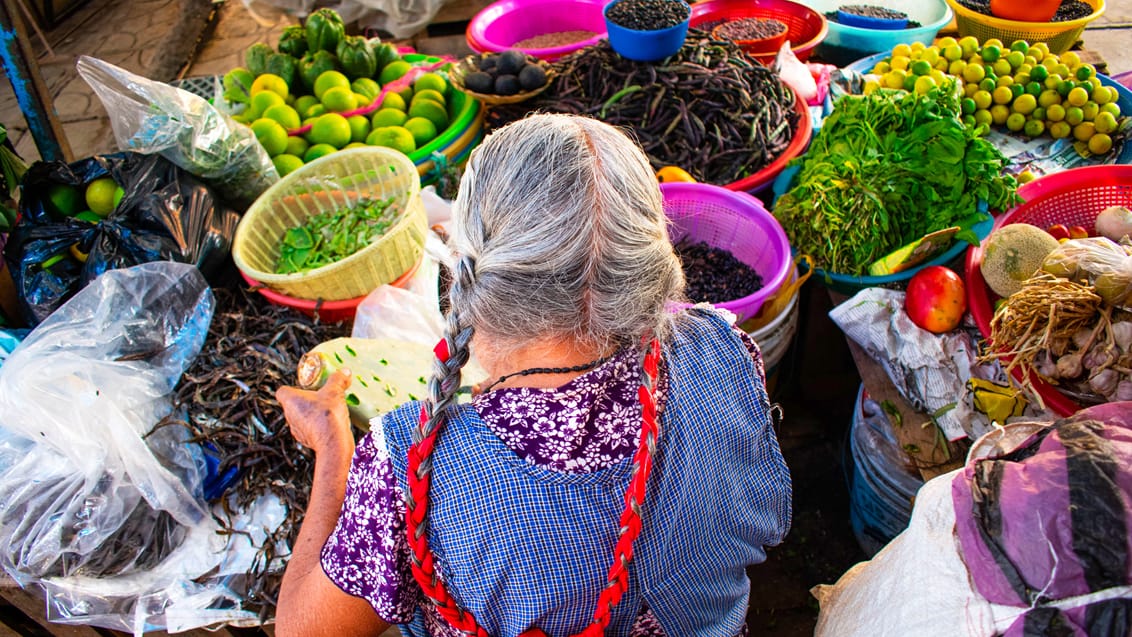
x: 1070, y: 322
x: 333, y: 235
x: 885, y: 170
x: 323, y: 90
x: 1023, y: 88
x: 553, y: 39
x: 709, y: 109
x: 227, y: 400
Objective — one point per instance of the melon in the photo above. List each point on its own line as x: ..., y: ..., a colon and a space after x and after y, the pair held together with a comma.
x: 1012, y: 254
x: 385, y: 373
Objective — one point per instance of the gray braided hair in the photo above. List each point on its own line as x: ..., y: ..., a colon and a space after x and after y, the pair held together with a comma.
x: 560, y: 229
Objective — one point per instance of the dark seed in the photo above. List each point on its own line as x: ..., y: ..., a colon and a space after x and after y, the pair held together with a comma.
x: 749, y: 29
x: 714, y: 275
x: 873, y: 11
x: 648, y: 15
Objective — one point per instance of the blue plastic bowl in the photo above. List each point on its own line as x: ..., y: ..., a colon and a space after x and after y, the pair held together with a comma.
x: 647, y: 46
x: 845, y: 43
x: 867, y: 22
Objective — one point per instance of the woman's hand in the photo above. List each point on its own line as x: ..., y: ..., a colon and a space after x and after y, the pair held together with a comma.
x: 319, y: 419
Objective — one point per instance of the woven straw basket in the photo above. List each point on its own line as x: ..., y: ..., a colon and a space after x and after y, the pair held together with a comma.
x: 336, y: 181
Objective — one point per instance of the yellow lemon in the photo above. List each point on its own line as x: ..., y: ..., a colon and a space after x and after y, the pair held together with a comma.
x: 1083, y: 131
x: 1105, y: 122
x: 1100, y: 144
x: 270, y: 82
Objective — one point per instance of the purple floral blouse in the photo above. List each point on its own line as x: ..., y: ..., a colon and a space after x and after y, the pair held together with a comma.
x: 586, y: 425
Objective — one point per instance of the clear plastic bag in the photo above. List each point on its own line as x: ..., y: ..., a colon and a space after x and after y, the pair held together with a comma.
x: 1096, y: 261
x: 96, y: 493
x: 152, y: 117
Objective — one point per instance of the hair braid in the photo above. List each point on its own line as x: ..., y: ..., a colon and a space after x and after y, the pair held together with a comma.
x: 446, y: 375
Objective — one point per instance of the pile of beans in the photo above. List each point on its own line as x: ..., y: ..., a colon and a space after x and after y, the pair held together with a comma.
x: 714, y: 275
x: 873, y: 11
x: 549, y: 40
x: 1069, y: 9
x: 648, y: 15
x: 749, y: 29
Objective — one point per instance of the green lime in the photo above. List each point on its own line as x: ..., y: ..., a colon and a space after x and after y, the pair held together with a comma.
x: 271, y: 135
x: 339, y: 99
x: 433, y: 112
x: 1034, y: 128
x: 1033, y: 88
x: 316, y: 151
x: 968, y: 106
x: 990, y: 53
x: 921, y: 67
x: 64, y: 199
x: 366, y: 86
x: 296, y: 145
x: 1020, y: 45
x: 88, y: 217
x: 429, y: 94
x: 286, y: 163
x: 1015, y: 122
x: 393, y: 71
x: 1039, y: 73
x: 303, y: 104
x: 359, y: 127
x: 423, y: 130
x: 389, y: 117
x: 395, y: 137
x: 287, y: 117
x: 328, y: 80
x: 332, y: 129
x: 431, y: 81
x: 394, y: 100
x: 100, y: 196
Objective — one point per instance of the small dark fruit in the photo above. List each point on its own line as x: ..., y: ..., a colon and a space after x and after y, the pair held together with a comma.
x: 506, y: 85
x: 511, y: 61
x: 487, y: 63
x: 531, y: 77
x: 479, y: 82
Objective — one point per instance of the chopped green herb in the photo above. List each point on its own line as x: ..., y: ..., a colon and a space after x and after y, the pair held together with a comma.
x: 333, y: 235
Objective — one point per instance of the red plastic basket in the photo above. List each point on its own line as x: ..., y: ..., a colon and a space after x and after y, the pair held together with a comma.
x: 1074, y: 198
x: 738, y: 223
x: 805, y: 27
x: 768, y: 173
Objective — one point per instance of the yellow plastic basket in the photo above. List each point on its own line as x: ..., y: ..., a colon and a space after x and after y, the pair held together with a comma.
x: 333, y: 182
x: 1058, y: 36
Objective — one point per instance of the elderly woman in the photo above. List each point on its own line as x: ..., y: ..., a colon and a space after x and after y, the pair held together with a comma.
x: 617, y: 475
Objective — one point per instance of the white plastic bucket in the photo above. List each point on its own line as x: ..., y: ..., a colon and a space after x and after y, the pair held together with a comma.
x: 775, y: 338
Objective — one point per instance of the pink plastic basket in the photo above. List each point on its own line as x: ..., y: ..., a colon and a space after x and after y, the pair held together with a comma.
x: 1073, y: 198
x: 503, y: 23
x: 736, y: 222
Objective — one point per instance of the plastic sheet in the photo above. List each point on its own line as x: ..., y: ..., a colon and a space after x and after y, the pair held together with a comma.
x: 165, y: 214
x: 152, y: 117
x: 401, y: 18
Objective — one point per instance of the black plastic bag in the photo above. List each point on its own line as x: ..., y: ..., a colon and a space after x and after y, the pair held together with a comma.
x: 165, y: 215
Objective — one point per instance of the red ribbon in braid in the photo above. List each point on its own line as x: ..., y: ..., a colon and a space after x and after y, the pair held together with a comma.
x: 417, y: 507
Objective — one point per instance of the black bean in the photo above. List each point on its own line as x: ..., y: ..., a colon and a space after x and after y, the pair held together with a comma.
x: 648, y: 15
x: 714, y: 275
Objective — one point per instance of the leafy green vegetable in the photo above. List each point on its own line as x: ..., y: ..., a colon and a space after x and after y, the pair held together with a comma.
x: 887, y: 169
x: 333, y: 235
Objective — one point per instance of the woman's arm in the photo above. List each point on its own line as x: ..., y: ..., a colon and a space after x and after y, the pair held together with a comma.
x: 310, y: 605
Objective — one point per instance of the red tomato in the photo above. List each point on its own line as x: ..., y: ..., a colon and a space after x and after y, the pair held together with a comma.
x: 936, y: 299
x: 1058, y: 231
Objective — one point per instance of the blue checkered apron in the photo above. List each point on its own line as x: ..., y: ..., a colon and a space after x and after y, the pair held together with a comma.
x: 522, y: 546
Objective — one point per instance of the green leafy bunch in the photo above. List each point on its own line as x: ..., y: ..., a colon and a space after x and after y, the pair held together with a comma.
x: 886, y: 169
x: 333, y: 235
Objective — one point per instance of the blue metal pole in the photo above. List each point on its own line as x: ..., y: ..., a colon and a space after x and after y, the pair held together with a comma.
x: 18, y: 60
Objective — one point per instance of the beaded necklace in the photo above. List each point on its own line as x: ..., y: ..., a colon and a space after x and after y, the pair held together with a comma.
x: 549, y: 370
x: 419, y: 477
